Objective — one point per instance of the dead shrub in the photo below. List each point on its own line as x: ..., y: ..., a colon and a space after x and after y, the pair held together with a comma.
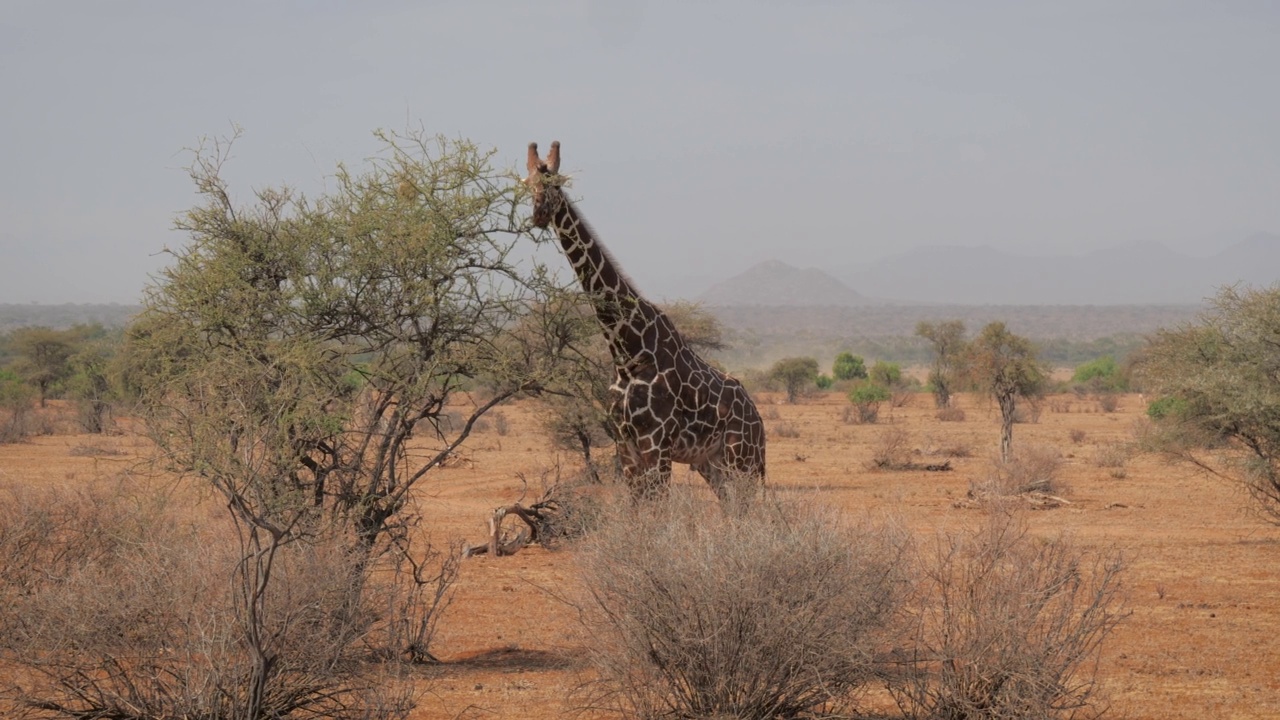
x: 785, y: 430
x: 774, y: 611
x: 1032, y: 468
x: 1113, y: 457
x: 891, y: 450
x: 1077, y: 435
x: 770, y: 412
x: 1108, y: 402
x: 500, y: 423
x: 116, y: 605
x: 1009, y: 626
x: 1059, y: 405
x: 902, y: 396
x: 950, y: 414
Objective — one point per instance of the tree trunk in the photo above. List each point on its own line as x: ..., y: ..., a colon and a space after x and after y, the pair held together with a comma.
x: 1007, y: 408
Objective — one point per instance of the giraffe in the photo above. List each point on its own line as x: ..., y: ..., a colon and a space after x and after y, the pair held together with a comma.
x: 669, y: 405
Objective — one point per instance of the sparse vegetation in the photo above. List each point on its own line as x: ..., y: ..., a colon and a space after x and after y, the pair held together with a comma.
x: 774, y: 612
x: 1010, y: 626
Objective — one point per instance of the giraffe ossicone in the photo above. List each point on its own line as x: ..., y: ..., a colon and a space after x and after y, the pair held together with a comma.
x: 669, y: 404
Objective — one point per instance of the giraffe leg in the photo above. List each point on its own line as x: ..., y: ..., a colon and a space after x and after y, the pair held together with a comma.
x: 715, y: 477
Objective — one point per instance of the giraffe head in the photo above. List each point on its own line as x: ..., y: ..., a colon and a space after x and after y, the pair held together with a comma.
x: 543, y: 174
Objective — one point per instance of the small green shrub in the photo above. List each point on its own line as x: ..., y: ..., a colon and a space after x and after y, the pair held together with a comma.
x: 885, y: 373
x: 848, y: 367
x: 1167, y: 407
x: 1102, y: 375
x: 867, y: 397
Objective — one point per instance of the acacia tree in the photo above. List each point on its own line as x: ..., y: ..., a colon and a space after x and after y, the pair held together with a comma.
x: 1218, y: 386
x: 796, y: 374
x: 315, y: 359
x: 93, y: 384
x: 1005, y: 366
x: 43, y: 355
x: 948, y: 343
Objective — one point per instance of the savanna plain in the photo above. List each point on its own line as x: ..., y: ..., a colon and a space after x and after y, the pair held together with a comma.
x: 1201, y: 591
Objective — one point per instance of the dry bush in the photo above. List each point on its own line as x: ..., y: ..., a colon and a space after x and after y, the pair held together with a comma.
x: 864, y: 414
x: 950, y: 414
x: 774, y: 611
x: 500, y: 422
x: 1108, y: 402
x: 1058, y: 405
x: 1077, y: 435
x: 770, y: 412
x: 891, y: 450
x: 901, y: 396
x: 1113, y: 456
x: 116, y: 605
x: 1009, y: 626
x: 1027, y: 413
x: 1032, y: 468
x: 785, y: 430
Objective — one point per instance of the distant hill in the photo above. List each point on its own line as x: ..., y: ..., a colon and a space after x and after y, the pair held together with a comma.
x: 61, y: 317
x: 777, y: 284
x: 1137, y: 274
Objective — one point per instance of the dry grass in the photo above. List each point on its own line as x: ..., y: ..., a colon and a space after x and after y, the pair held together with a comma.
x: 950, y: 414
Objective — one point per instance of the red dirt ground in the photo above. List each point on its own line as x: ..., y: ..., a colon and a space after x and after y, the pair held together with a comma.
x: 1203, y: 640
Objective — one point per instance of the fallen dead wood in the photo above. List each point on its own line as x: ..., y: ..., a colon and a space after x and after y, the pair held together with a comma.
x: 498, y: 545
x: 556, y: 515
x: 1034, y: 499
x: 909, y: 466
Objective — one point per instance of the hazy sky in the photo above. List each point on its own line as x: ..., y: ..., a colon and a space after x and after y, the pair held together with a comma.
x: 704, y: 136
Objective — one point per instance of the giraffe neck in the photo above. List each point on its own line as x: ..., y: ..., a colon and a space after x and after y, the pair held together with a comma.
x: 631, y: 323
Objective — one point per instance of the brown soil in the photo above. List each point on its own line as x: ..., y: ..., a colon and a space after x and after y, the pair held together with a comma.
x: 1202, y: 576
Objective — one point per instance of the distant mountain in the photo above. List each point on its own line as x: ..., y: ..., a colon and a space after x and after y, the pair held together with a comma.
x: 1141, y: 274
x: 778, y: 284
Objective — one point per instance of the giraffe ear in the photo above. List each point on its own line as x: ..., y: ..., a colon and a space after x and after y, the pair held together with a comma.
x: 534, y: 162
x: 553, y: 159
